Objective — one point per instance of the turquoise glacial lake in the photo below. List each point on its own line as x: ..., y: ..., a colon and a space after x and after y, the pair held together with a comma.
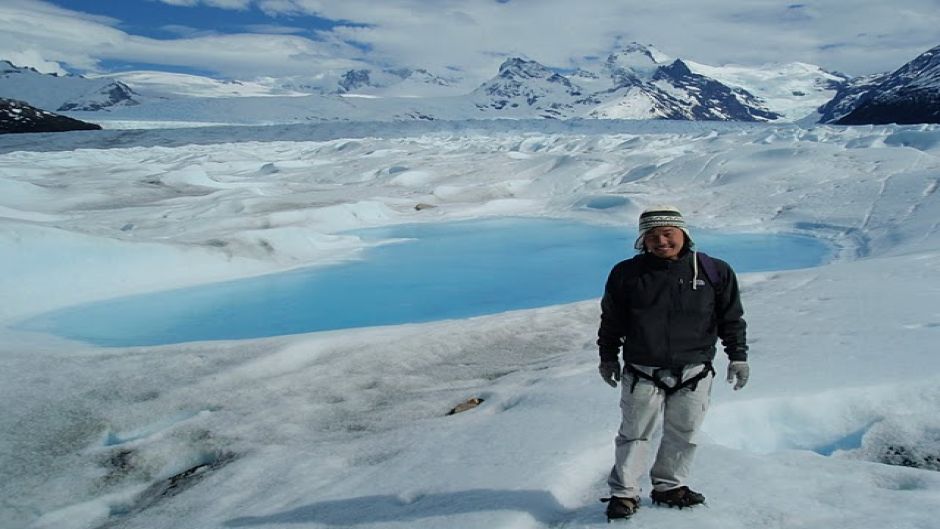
x: 441, y: 271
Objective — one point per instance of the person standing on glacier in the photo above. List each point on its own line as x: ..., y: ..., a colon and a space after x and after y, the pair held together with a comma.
x: 664, y: 311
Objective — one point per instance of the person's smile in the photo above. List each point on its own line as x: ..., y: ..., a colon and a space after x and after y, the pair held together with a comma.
x: 665, y: 242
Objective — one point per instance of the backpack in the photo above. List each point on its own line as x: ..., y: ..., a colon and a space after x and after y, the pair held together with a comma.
x: 707, y: 264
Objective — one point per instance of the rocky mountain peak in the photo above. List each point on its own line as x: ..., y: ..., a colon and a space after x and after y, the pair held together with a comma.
x: 424, y: 76
x: 372, y: 81
x: 634, y: 82
x: 516, y: 72
x: 110, y: 95
x: 523, y: 68
x: 355, y: 79
x: 523, y: 83
x: 911, y: 94
x: 924, y: 70
x: 675, y: 70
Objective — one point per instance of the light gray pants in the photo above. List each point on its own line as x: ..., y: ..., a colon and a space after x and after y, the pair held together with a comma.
x: 644, y: 406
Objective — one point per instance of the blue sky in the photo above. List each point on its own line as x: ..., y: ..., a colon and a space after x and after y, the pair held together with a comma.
x: 246, y: 39
x: 156, y: 19
x: 161, y: 20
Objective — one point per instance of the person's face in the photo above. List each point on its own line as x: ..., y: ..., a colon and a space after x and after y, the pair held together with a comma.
x: 664, y: 242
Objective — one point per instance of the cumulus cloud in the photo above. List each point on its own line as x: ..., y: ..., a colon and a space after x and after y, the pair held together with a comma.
x: 474, y: 36
x: 52, y: 35
x: 47, y: 36
x: 247, y: 55
x: 872, y: 36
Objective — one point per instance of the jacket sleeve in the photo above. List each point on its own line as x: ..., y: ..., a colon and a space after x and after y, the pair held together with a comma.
x: 610, y: 334
x: 732, y: 329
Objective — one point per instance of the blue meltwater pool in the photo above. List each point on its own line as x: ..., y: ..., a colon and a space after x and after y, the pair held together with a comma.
x: 441, y: 271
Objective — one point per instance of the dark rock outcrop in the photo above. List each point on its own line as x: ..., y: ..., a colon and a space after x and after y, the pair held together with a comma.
x: 17, y: 116
x: 707, y: 99
x: 911, y: 94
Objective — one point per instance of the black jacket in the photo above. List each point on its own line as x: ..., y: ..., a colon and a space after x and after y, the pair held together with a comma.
x: 650, y: 309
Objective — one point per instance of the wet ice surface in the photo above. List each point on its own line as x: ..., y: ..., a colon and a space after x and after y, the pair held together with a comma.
x: 424, y: 272
x: 304, y: 430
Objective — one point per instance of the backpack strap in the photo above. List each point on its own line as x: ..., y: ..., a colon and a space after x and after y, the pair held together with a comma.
x: 711, y: 271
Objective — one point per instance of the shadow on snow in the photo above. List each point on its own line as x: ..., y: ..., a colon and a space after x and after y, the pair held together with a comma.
x: 540, y: 504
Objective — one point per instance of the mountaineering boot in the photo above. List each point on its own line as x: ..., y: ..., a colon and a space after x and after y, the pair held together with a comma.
x: 679, y: 497
x: 618, y: 507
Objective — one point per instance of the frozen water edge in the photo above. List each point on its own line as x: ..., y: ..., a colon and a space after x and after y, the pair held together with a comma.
x: 318, y: 421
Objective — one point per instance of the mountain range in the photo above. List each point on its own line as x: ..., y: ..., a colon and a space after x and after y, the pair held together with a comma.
x: 631, y: 85
x: 634, y: 82
x: 62, y: 93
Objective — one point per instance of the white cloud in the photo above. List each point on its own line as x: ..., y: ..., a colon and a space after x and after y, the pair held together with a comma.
x: 871, y: 36
x: 33, y: 58
x: 42, y: 34
x: 48, y: 33
x: 244, y: 55
x: 475, y: 36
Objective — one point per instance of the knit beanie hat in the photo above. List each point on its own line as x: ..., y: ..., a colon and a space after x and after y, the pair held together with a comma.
x: 658, y: 216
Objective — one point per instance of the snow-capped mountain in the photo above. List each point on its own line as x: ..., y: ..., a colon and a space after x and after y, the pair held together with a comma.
x: 108, y: 92
x: 645, y: 80
x: 63, y: 93
x: 168, y: 85
x: 793, y: 90
x: 911, y: 94
x: 108, y: 96
x: 631, y: 65
x: 524, y: 86
x: 850, y: 96
x: 697, y: 97
x: 18, y: 116
x: 633, y: 82
x: 393, y: 82
x: 632, y: 85
x: 399, y: 82
x: 712, y: 99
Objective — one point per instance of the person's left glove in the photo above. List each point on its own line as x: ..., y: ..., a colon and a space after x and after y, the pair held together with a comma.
x: 738, y: 372
x: 610, y: 372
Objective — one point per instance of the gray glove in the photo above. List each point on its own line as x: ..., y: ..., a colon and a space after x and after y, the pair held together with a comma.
x: 738, y: 372
x: 610, y: 372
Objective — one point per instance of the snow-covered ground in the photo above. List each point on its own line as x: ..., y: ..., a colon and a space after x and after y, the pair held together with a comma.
x: 349, y: 428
